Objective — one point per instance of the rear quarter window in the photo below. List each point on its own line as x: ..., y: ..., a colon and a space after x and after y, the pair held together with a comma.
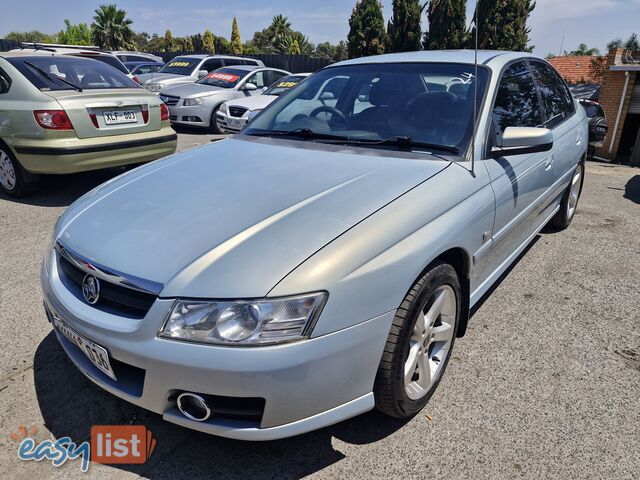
x: 5, y: 82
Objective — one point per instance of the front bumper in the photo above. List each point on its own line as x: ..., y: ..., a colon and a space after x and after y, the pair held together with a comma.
x: 197, y: 115
x: 229, y: 124
x: 305, y: 385
x: 62, y: 156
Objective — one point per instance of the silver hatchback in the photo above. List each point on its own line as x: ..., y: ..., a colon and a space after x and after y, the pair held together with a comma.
x: 322, y: 262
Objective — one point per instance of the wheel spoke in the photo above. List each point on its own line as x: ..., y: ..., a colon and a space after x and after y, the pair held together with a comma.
x: 424, y: 371
x: 436, y: 307
x: 442, y: 333
x: 411, y: 363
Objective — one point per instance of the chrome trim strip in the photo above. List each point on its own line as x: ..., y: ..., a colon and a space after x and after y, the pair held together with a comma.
x: 108, y: 275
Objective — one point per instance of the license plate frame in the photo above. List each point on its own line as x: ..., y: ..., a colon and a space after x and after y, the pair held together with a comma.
x: 97, y: 354
x: 119, y: 117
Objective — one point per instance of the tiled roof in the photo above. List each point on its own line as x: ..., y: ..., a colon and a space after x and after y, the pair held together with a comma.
x: 576, y: 69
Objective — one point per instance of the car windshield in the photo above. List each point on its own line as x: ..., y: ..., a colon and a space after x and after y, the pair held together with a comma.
x: 181, y: 66
x: 223, y: 78
x: 405, y: 105
x: 62, y: 72
x: 108, y: 59
x: 284, y: 84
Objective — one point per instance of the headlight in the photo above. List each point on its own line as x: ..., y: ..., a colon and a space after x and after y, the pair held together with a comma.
x: 155, y: 87
x: 244, y: 322
x: 224, y: 109
x: 190, y: 102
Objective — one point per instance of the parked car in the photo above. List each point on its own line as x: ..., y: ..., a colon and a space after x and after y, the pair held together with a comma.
x: 188, y: 69
x: 197, y: 104
x: 234, y: 114
x: 141, y: 68
x: 76, y: 51
x: 309, y: 268
x: 64, y: 114
x: 128, y: 57
x: 598, y: 125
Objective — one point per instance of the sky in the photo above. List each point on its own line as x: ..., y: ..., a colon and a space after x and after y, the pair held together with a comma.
x: 556, y: 25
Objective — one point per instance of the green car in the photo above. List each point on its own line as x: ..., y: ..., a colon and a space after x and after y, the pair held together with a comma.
x: 61, y: 114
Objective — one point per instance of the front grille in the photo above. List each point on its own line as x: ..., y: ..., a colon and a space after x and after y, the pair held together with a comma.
x: 121, y: 300
x: 237, y: 111
x: 169, y: 99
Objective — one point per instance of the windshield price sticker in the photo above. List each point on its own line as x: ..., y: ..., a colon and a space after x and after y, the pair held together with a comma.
x: 287, y: 84
x: 178, y: 64
x: 225, y: 77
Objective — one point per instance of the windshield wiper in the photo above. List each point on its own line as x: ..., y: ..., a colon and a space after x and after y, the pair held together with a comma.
x: 52, y: 76
x: 304, y: 133
x: 406, y: 142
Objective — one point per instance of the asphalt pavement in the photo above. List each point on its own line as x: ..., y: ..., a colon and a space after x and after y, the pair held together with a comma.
x: 546, y: 383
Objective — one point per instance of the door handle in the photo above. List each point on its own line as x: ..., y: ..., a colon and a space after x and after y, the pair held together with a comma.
x: 548, y: 164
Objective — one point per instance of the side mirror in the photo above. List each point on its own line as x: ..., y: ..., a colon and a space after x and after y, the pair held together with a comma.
x: 202, y: 73
x: 250, y: 87
x: 327, y: 96
x: 522, y: 140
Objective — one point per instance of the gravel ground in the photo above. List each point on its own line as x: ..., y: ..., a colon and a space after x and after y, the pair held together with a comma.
x: 546, y: 383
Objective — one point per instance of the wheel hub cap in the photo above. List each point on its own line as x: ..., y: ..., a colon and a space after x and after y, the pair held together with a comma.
x: 7, y: 172
x: 430, y: 343
x: 574, y: 192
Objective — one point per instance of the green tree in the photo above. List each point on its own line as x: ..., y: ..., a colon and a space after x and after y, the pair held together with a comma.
x: 294, y: 48
x: 342, y: 51
x: 197, y: 42
x: 366, y: 29
x: 617, y: 43
x: 208, y: 40
x: 236, y: 42
x: 156, y: 43
x: 279, y: 29
x: 632, y: 43
x: 79, y: 34
x: 447, y: 25
x: 502, y: 25
x: 583, y: 49
x: 302, y: 44
x: 168, y: 41
x: 325, y: 50
x: 222, y: 45
x: 141, y: 41
x: 32, y: 36
x: 403, y: 30
x: 111, y: 28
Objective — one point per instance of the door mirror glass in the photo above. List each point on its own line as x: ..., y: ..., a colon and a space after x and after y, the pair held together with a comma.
x: 522, y: 140
x: 202, y: 73
x: 250, y: 87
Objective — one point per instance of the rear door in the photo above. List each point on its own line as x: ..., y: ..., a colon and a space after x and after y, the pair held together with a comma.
x: 519, y: 181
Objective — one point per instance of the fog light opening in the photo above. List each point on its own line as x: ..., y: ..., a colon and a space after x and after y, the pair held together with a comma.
x: 193, y: 407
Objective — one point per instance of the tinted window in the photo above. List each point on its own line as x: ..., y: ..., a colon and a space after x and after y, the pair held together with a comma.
x: 248, y: 61
x: 556, y: 99
x: 61, y: 72
x: 5, y: 82
x: 593, y: 109
x: 517, y: 103
x: 258, y: 79
x: 232, y: 61
x: 223, y: 78
x: 211, y: 65
x: 181, y: 66
x: 108, y: 59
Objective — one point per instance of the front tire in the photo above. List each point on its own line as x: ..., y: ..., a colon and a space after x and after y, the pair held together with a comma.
x: 213, y: 124
x: 12, y: 175
x: 569, y: 202
x: 419, y: 344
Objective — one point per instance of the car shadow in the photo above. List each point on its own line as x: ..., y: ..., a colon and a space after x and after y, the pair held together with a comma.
x: 63, y: 190
x: 632, y: 189
x: 70, y: 404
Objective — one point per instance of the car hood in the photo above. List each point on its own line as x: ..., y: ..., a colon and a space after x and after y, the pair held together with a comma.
x: 167, y: 78
x: 256, y: 102
x: 233, y: 218
x: 194, y: 90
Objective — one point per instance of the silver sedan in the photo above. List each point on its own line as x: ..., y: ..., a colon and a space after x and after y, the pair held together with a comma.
x: 196, y: 104
x: 321, y: 263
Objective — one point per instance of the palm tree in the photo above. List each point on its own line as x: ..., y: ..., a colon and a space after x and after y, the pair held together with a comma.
x: 111, y: 28
x: 301, y: 42
x: 279, y: 28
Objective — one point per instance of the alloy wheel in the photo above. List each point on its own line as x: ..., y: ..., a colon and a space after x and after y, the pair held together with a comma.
x: 7, y: 172
x: 574, y: 192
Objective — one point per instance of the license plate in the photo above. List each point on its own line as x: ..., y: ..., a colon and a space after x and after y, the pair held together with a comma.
x: 234, y: 123
x: 95, y: 353
x: 115, y: 117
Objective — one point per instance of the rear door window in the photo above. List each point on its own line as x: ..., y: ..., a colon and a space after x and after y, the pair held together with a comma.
x: 211, y: 64
x: 5, y: 82
x: 517, y: 103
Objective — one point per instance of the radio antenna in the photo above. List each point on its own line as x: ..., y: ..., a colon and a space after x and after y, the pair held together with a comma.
x: 475, y: 94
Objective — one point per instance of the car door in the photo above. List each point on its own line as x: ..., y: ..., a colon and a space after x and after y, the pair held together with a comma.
x: 518, y: 181
x: 559, y: 110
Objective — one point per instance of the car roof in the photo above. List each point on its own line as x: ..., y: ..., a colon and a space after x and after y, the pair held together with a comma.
x: 492, y: 58
x: 248, y: 68
x: 204, y: 55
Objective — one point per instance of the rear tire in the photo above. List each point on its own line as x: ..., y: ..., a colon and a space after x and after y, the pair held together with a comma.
x: 569, y: 202
x: 213, y: 124
x: 13, y: 178
x: 424, y: 330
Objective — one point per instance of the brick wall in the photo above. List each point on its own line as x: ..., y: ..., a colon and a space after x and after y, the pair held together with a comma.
x: 578, y: 68
x: 610, y: 95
